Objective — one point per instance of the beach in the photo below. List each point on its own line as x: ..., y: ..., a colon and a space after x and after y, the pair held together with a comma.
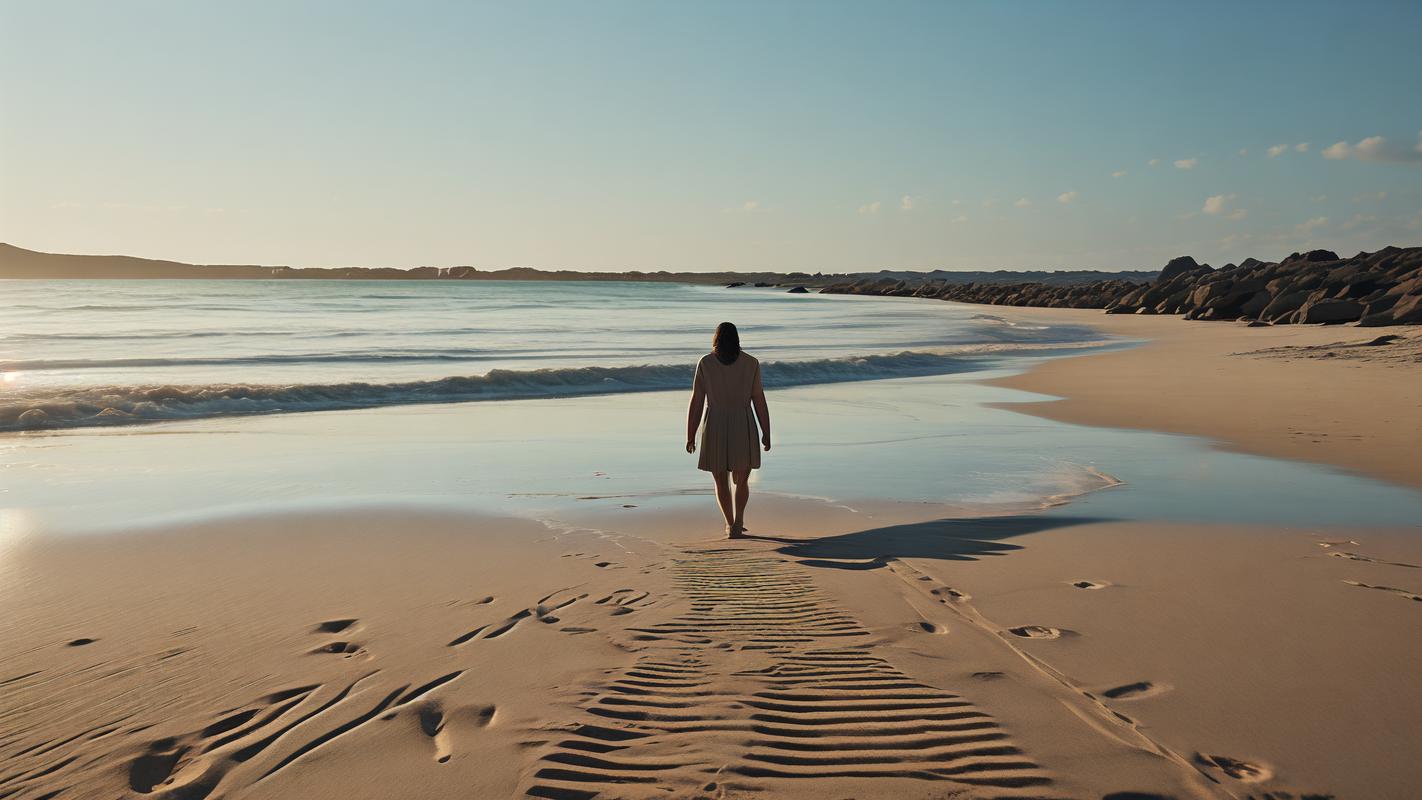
x: 977, y: 603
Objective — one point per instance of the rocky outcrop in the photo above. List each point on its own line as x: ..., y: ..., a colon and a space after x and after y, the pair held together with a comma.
x: 1314, y: 287
x: 1090, y: 295
x: 1372, y: 289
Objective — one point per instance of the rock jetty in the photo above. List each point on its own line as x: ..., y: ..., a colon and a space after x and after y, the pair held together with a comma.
x: 1371, y: 289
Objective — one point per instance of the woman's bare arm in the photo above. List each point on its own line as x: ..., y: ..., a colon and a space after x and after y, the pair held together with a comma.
x: 693, y: 415
x: 762, y: 415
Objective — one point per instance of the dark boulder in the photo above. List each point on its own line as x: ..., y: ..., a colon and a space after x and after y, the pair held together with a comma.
x: 1178, y: 266
x: 798, y: 290
x: 1330, y: 311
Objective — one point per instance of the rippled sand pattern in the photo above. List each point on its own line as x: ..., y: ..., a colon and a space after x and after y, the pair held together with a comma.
x: 764, y: 682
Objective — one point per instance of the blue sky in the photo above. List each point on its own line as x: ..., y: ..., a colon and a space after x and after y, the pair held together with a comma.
x: 726, y: 135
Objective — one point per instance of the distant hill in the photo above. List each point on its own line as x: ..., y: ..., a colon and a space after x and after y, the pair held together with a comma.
x: 17, y: 262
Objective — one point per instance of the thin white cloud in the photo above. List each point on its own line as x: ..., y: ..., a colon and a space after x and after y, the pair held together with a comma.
x: 1376, y: 149
x: 1277, y: 150
x: 1023, y: 202
x: 1357, y: 220
x: 959, y: 219
x: 1307, y: 227
x: 1320, y: 198
x: 1154, y: 162
x: 1301, y: 147
x: 1066, y: 197
x: 1186, y: 163
x: 906, y: 203
x: 1215, y: 204
x: 870, y: 208
x: 1120, y: 173
x: 750, y: 205
x: 1244, y: 151
x: 990, y: 202
x: 1220, y: 205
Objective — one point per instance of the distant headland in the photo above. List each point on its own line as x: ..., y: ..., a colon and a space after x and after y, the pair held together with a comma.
x: 17, y: 262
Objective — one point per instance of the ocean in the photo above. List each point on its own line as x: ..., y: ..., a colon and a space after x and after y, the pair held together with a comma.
x: 89, y: 353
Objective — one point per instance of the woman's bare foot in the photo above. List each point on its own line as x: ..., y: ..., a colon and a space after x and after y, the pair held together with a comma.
x: 735, y: 531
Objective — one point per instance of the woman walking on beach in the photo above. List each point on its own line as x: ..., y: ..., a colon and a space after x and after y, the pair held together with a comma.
x: 727, y: 386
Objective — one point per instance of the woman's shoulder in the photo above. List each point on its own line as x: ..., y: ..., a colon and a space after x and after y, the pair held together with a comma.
x: 749, y: 359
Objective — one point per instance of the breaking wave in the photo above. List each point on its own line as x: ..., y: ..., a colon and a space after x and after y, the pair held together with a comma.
x: 71, y: 407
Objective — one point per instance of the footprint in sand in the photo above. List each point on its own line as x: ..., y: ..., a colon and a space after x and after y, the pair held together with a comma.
x: 1235, y: 768
x: 543, y: 612
x: 1135, y: 691
x: 941, y: 593
x: 1090, y: 584
x: 482, y: 601
x: 346, y: 649
x: 624, y: 601
x: 443, y: 727
x: 335, y: 625
x: 80, y: 642
x: 1040, y: 632
x: 947, y: 594
x: 927, y: 627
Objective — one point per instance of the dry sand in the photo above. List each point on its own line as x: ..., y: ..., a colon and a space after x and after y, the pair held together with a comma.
x: 1305, y: 392
x: 848, y: 654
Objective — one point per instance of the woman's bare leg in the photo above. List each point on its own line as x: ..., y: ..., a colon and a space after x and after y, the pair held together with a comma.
x: 723, y: 496
x: 742, y: 478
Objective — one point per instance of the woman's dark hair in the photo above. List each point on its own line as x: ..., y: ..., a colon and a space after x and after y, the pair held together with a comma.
x: 726, y: 344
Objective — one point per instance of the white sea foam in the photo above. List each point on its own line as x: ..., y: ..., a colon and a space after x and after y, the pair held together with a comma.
x: 66, y: 407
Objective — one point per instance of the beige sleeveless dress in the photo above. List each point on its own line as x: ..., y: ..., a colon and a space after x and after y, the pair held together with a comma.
x: 729, y: 437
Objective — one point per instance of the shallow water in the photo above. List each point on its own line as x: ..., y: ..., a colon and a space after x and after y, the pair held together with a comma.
x: 922, y: 440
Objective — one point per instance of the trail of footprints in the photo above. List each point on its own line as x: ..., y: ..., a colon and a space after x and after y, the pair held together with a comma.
x: 762, y: 681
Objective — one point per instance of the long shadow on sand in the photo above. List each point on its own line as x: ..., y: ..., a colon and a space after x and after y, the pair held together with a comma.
x: 947, y: 539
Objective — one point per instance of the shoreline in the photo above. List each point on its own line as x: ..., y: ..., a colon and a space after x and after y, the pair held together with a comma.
x: 1316, y: 394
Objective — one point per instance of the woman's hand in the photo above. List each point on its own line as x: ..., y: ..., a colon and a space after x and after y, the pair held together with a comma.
x: 765, y: 441
x: 691, y: 446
